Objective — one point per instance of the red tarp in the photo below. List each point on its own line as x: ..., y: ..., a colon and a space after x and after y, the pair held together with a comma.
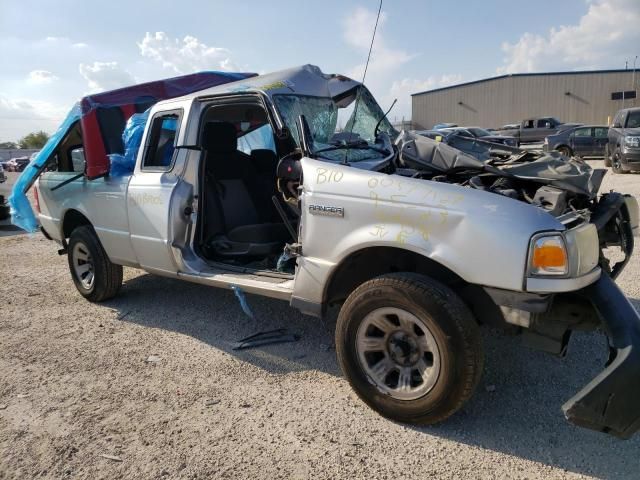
x: 104, y: 115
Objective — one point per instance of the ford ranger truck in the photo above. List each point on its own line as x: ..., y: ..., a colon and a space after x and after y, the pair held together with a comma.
x: 249, y: 185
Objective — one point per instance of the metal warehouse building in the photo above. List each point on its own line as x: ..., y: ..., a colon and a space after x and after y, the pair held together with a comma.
x: 584, y: 97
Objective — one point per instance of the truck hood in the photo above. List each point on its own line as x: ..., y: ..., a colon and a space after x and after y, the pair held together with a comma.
x: 422, y: 153
x: 632, y: 131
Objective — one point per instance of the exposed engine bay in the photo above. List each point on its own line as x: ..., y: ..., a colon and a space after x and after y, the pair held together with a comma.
x: 550, y: 181
x: 566, y: 188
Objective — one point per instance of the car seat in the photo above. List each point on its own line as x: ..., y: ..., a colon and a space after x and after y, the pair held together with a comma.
x: 239, y: 226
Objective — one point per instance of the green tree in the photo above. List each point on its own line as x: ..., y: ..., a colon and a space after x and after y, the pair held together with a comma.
x: 34, y: 140
x: 8, y: 145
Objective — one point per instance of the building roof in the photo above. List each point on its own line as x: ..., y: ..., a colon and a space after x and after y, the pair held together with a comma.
x: 539, y: 74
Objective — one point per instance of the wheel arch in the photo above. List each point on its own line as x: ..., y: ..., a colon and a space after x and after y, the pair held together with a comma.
x: 564, y: 145
x: 371, y: 262
x: 73, y: 219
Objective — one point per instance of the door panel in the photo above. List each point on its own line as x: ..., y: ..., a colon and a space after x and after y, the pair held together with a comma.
x: 151, y: 193
x: 149, y: 198
x: 582, y: 139
x: 601, y: 139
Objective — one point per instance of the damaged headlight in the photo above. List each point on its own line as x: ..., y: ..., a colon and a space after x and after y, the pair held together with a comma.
x: 548, y: 255
x: 632, y: 142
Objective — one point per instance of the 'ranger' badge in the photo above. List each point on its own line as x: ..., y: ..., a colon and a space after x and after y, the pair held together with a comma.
x: 326, y: 210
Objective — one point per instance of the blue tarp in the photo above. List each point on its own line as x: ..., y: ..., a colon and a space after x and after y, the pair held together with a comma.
x: 21, y: 212
x: 121, y: 165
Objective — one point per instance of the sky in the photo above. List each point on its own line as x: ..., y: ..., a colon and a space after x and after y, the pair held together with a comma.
x: 53, y: 53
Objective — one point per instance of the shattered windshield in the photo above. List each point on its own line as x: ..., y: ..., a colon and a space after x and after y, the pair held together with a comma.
x: 329, y: 137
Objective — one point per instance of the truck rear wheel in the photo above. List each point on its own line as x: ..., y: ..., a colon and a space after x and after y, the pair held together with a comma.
x: 409, y: 347
x: 95, y: 277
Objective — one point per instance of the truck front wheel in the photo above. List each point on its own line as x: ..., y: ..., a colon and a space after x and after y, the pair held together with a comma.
x: 409, y: 347
x: 616, y: 163
x: 95, y: 277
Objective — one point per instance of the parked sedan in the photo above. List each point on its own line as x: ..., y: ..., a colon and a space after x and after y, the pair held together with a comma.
x: 17, y: 164
x: 582, y: 141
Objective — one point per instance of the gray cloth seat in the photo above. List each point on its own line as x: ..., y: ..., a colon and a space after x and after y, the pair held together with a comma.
x: 238, y: 221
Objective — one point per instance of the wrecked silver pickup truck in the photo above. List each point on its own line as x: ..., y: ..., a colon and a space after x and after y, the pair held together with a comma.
x: 248, y: 185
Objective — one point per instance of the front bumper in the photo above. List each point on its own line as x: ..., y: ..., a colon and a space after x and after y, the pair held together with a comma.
x: 610, y: 403
x: 630, y: 158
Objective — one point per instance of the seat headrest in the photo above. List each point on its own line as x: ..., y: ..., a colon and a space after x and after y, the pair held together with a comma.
x: 219, y: 137
x: 264, y: 160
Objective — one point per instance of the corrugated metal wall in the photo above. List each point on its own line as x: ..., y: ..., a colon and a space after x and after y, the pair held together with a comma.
x: 496, y: 102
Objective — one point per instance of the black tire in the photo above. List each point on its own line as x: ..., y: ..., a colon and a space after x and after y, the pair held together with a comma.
x: 452, y: 326
x: 5, y: 211
x: 566, y: 151
x: 107, y: 276
x: 607, y: 156
x: 616, y: 163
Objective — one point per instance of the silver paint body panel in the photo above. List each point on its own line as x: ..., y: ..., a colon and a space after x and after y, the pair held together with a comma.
x: 480, y: 236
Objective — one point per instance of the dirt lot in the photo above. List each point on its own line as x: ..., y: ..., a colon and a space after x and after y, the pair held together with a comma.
x: 76, y: 386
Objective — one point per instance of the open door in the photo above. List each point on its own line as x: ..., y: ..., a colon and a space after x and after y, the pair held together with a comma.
x: 156, y: 195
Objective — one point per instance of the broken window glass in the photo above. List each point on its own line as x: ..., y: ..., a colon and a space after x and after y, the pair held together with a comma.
x: 321, y: 114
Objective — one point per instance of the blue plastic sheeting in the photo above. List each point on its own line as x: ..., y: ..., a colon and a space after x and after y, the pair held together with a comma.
x: 243, y: 300
x: 21, y: 212
x: 121, y: 165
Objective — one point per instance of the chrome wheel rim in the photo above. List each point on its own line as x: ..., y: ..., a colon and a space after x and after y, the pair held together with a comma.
x: 398, y: 353
x: 83, y: 265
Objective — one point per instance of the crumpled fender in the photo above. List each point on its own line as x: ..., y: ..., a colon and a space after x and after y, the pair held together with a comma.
x: 610, y: 403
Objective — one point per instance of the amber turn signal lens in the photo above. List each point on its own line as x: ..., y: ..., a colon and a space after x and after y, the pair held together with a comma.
x: 549, y: 256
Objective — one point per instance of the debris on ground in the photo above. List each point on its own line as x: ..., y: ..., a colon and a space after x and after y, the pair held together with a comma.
x: 270, y: 337
x: 152, y: 359
x: 111, y: 457
x: 243, y: 301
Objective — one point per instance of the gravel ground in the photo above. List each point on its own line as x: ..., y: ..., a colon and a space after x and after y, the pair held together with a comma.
x: 78, y: 398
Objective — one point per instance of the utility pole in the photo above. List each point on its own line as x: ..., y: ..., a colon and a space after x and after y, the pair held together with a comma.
x: 633, y: 80
x: 626, y: 67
